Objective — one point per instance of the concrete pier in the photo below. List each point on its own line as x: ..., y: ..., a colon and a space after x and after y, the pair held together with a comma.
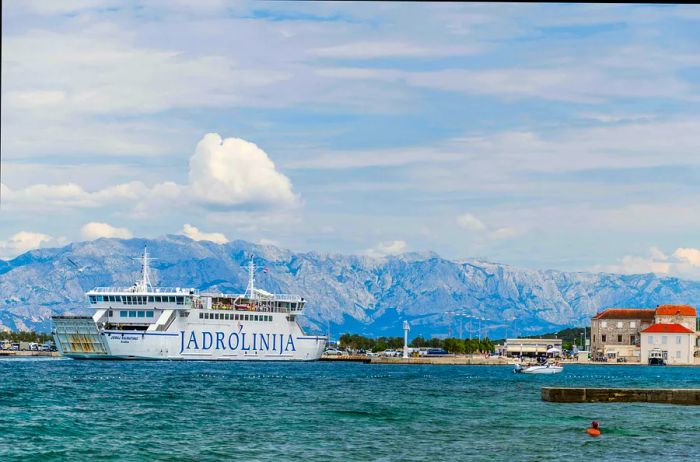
x: 687, y: 396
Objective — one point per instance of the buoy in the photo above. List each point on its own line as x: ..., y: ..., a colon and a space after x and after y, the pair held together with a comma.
x: 593, y: 430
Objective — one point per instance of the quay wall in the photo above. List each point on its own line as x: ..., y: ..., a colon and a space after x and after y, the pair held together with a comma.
x: 687, y: 396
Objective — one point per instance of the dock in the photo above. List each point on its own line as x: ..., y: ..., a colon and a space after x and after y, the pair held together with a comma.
x: 346, y: 358
x: 28, y: 354
x: 685, y: 396
x: 476, y: 360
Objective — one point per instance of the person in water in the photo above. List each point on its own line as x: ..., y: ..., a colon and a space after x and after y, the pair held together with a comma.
x: 594, y: 430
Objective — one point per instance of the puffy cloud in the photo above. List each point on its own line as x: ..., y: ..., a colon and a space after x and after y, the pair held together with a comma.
x: 473, y: 224
x: 225, y: 174
x: 684, y: 262
x: 689, y: 255
x: 197, y: 235
x: 470, y: 222
x: 95, y: 230
x: 384, y: 249
x: 232, y: 172
x: 23, y: 241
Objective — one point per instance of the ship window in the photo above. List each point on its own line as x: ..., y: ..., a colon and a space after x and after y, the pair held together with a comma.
x: 180, y: 300
x: 235, y: 317
x: 151, y: 299
x: 149, y: 314
x: 142, y: 314
x: 132, y: 314
x: 110, y: 314
x: 92, y: 299
x: 122, y: 314
x: 245, y: 317
x: 171, y: 299
x: 157, y: 298
x: 201, y: 315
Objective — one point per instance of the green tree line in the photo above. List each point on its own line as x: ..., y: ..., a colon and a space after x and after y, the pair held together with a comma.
x: 25, y: 336
x: 452, y: 345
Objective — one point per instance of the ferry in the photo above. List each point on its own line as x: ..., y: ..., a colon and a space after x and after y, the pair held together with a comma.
x: 175, y: 323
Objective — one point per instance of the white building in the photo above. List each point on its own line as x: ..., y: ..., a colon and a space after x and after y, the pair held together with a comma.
x: 675, y: 342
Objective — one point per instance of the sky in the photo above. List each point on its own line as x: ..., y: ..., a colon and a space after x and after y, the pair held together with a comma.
x: 539, y: 135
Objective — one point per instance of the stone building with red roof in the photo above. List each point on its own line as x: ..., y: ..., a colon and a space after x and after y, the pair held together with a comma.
x: 630, y: 334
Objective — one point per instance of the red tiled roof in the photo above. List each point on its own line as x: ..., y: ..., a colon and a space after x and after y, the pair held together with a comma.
x: 668, y: 329
x: 625, y: 313
x: 673, y: 310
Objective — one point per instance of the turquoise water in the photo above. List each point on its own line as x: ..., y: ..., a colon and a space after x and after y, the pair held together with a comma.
x: 92, y: 410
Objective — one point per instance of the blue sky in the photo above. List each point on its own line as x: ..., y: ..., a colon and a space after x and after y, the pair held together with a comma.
x: 548, y: 136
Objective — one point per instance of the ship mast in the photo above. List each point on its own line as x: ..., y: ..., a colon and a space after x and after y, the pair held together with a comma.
x: 144, y: 285
x: 250, y: 291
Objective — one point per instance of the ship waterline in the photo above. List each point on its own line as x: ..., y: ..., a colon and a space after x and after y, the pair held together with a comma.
x: 146, y: 322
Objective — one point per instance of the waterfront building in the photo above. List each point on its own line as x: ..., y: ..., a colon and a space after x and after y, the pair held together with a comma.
x: 615, y: 333
x: 531, y: 347
x: 619, y: 333
x: 675, y: 342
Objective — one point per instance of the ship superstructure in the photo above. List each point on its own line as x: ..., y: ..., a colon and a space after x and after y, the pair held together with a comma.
x: 147, y: 322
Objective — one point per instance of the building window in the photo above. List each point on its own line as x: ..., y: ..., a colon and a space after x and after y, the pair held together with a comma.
x: 603, y: 338
x: 678, y: 354
x: 619, y: 324
x: 619, y: 339
x: 678, y: 340
x: 633, y: 324
x: 632, y: 340
x: 593, y: 338
x: 664, y: 339
x: 604, y: 324
x: 651, y: 339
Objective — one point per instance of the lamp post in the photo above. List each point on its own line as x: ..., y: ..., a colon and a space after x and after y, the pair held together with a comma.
x: 406, y: 328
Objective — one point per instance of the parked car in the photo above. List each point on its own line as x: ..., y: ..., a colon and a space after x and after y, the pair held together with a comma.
x: 333, y: 352
x: 437, y: 351
x: 389, y: 353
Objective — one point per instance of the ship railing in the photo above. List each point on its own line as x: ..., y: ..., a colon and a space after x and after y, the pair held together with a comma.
x: 154, y: 290
x: 271, y: 297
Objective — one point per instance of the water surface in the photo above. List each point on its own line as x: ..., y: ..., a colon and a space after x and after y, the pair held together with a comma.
x: 94, y: 410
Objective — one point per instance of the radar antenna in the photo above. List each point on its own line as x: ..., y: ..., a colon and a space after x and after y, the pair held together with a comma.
x: 144, y: 285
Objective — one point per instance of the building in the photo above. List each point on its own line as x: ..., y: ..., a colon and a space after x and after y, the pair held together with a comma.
x: 675, y: 342
x: 615, y: 333
x: 684, y: 315
x: 618, y: 334
x: 531, y: 347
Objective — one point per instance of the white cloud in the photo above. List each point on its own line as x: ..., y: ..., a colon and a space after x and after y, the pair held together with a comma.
x: 232, y: 172
x: 387, y: 49
x: 24, y: 241
x: 224, y: 174
x: 197, y: 235
x: 95, y: 230
x: 384, y: 249
x: 473, y: 224
x: 684, y: 262
x: 470, y: 222
x: 688, y: 255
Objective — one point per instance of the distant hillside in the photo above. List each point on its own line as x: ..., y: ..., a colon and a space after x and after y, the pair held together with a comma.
x: 346, y: 293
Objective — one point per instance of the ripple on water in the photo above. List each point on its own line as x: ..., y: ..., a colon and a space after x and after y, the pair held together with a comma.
x: 73, y: 410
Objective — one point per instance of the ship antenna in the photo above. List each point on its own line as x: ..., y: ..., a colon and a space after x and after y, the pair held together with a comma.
x: 145, y: 283
x: 251, y: 277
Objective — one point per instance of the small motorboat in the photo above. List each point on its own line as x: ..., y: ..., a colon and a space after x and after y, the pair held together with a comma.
x: 538, y: 369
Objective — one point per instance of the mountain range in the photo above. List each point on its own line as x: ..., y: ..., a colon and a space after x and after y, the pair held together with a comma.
x: 344, y: 293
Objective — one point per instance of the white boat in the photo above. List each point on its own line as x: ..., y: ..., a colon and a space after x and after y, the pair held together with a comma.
x: 146, y: 322
x: 538, y: 369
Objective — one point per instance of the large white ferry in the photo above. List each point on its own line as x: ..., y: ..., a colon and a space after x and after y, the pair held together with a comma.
x: 146, y: 322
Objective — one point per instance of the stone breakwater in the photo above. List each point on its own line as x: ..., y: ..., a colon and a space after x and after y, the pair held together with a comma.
x: 687, y: 396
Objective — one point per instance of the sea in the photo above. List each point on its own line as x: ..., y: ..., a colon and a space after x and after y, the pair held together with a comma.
x: 59, y: 409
